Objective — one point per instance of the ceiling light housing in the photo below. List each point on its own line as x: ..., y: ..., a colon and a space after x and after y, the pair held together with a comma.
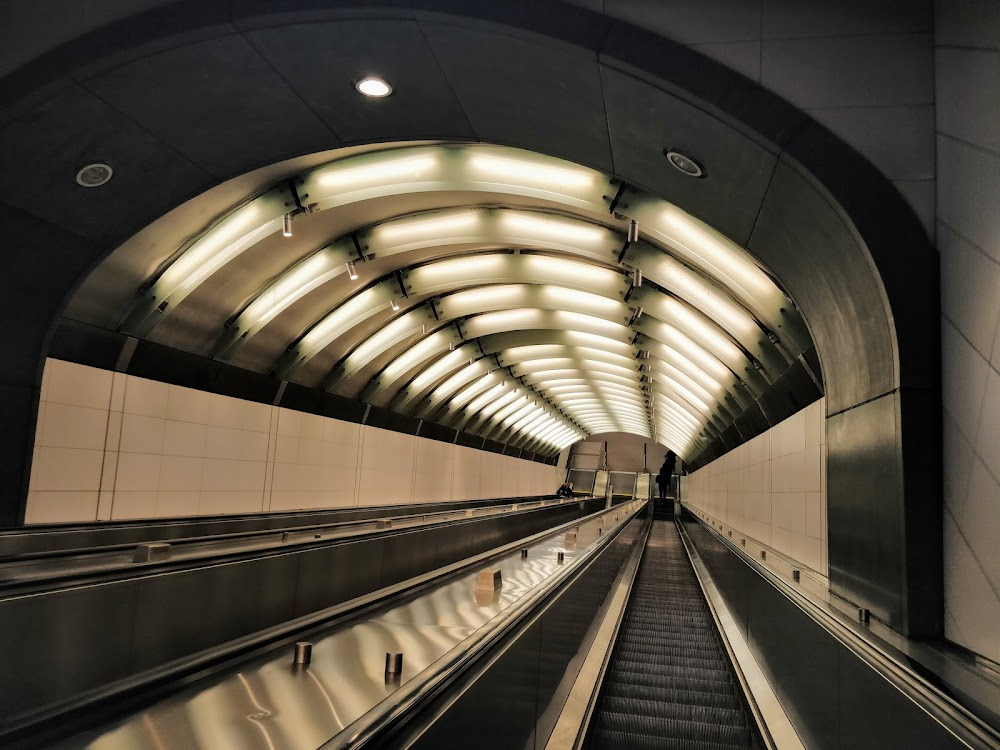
x: 94, y: 175
x: 684, y: 163
x: 373, y: 87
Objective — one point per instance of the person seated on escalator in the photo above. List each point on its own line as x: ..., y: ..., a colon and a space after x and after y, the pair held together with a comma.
x: 565, y: 491
x: 666, y: 471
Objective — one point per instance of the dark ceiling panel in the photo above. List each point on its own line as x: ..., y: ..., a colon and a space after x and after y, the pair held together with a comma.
x: 644, y: 120
x: 42, y: 149
x: 322, y: 61
x: 691, y: 21
x: 244, y: 114
x: 519, y: 92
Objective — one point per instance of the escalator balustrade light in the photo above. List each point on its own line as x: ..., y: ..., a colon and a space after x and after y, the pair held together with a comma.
x: 352, y: 272
x: 302, y: 654
x: 394, y: 305
x: 286, y: 225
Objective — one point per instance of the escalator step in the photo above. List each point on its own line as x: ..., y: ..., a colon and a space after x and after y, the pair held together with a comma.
x: 669, y: 683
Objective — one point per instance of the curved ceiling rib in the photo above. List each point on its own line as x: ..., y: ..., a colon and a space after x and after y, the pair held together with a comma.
x: 543, y: 302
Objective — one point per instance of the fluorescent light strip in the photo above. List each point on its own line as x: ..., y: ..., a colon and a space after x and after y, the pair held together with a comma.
x: 531, y: 171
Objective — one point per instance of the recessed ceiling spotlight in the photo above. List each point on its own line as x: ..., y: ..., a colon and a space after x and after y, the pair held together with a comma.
x: 94, y: 175
x: 374, y: 87
x: 684, y: 163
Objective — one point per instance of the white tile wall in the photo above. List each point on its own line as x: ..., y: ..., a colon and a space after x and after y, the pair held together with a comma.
x: 111, y: 446
x: 772, y: 489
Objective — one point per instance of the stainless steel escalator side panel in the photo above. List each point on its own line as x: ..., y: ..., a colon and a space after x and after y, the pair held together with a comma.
x: 271, y: 704
x: 172, y: 615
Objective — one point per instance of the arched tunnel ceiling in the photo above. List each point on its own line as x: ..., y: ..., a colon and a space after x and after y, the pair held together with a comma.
x: 485, y: 288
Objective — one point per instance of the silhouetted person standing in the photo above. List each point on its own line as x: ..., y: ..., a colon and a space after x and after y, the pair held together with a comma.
x: 666, y: 471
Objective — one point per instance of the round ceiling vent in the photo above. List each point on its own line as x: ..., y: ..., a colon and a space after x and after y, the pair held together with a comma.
x: 94, y: 175
x: 684, y: 163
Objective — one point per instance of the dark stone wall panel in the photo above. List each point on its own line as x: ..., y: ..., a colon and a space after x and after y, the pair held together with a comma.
x: 864, y: 508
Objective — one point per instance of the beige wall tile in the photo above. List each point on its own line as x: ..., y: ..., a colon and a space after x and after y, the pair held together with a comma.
x: 146, y: 397
x: 221, y: 475
x: 315, y: 452
x: 815, y: 515
x: 66, y: 469
x: 253, y: 446
x: 788, y: 511
x: 224, y: 411
x: 251, y: 476
x: 311, y: 426
x: 289, y: 422
x: 61, y: 507
x: 66, y: 426
x: 184, y: 439
x: 223, y: 442
x: 173, y: 504
x: 142, y: 434
x: 133, y: 505
x: 337, y: 431
x: 181, y: 474
x: 286, y: 449
x: 138, y: 472
x: 256, y: 417
x: 187, y: 405
x: 789, y: 436
x: 76, y: 385
x: 815, y: 415
x: 229, y: 502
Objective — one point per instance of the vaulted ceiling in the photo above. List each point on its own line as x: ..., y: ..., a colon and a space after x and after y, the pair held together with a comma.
x: 490, y: 289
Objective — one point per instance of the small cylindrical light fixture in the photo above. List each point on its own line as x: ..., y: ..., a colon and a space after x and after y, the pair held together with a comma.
x: 633, y: 231
x: 423, y: 329
x: 352, y: 272
x: 393, y: 663
x: 451, y: 346
x: 286, y: 225
x: 394, y: 305
x: 637, y: 277
x: 302, y: 654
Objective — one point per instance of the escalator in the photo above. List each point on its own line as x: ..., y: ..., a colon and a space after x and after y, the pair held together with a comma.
x: 669, y: 684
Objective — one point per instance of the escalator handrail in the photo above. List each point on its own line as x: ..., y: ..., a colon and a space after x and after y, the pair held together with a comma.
x: 631, y: 574
x: 755, y: 710
x: 15, y: 587
x: 233, y: 535
x: 945, y: 710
